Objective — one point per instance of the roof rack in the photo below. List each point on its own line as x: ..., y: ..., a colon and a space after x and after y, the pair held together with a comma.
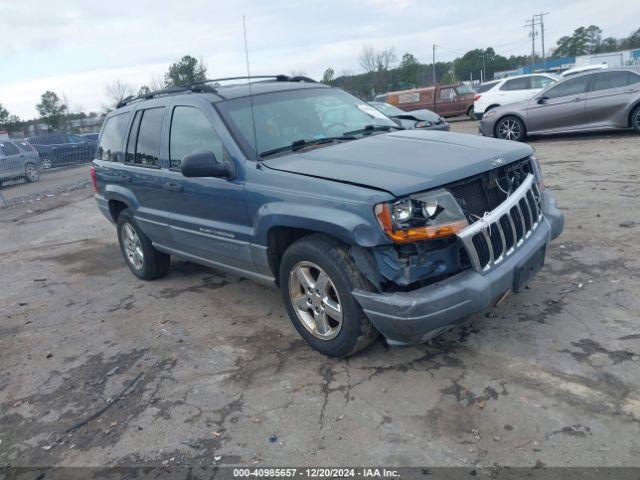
x: 278, y: 78
x: 202, y: 86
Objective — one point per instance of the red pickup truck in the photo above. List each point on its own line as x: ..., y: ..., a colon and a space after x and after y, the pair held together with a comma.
x: 445, y: 100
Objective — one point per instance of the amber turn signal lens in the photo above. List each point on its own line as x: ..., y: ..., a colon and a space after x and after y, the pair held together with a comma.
x: 409, y: 235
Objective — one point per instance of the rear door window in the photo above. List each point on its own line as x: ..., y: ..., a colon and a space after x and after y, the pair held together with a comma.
x: 516, y: 84
x: 609, y: 80
x: 447, y: 94
x: 485, y: 87
x: 192, y: 132
x: 147, y: 143
x: 110, y: 148
x: 538, y: 82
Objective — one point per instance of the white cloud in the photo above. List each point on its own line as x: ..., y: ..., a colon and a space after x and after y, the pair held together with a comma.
x: 76, y: 47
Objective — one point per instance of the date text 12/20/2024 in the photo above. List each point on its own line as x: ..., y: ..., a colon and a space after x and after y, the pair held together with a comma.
x: 315, y: 472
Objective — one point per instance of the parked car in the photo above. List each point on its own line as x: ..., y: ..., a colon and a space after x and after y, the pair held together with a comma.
x: 18, y: 159
x: 91, y: 136
x: 63, y: 149
x: 590, y: 101
x: 510, y: 90
x: 583, y: 69
x: 424, y: 118
x: 445, y: 100
x: 365, y: 227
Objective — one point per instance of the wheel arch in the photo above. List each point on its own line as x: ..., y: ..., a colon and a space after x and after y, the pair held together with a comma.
x: 633, y: 108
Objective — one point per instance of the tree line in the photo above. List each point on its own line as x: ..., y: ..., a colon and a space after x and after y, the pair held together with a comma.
x: 382, y: 71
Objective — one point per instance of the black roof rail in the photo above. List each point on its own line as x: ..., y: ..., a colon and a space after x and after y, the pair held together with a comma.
x: 202, y: 86
x: 153, y: 94
x: 278, y: 78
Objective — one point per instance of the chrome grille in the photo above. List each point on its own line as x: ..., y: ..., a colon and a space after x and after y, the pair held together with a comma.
x: 500, y: 232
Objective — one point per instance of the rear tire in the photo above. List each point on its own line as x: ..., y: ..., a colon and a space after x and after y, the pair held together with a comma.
x: 635, y: 119
x: 140, y: 255
x: 325, y: 313
x: 510, y: 128
x: 471, y: 114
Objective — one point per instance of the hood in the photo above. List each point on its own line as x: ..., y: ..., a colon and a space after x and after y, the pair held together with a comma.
x: 402, y: 162
x: 424, y: 114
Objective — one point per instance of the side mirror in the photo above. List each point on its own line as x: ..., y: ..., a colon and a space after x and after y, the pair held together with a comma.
x: 542, y: 100
x: 205, y: 164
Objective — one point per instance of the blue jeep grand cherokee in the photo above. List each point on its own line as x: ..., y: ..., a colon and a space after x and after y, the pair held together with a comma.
x: 364, y: 227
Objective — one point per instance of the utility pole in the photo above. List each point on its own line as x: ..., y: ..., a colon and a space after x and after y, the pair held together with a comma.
x: 544, y: 55
x: 433, y: 63
x: 532, y: 24
x: 482, y: 74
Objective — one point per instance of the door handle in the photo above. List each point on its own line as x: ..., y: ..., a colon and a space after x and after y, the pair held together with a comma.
x: 577, y: 99
x: 172, y: 187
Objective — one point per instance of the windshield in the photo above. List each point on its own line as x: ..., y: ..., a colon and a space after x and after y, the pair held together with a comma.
x: 282, y: 118
x: 388, y: 110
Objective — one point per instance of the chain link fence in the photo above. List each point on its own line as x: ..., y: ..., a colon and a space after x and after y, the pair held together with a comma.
x: 44, y: 163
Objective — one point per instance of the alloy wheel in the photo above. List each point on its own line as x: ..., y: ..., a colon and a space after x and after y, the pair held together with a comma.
x: 509, y: 129
x: 638, y: 118
x: 315, y: 300
x: 132, y: 246
x: 31, y: 172
x: 46, y: 163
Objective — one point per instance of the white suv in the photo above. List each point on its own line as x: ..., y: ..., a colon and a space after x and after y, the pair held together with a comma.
x: 509, y: 90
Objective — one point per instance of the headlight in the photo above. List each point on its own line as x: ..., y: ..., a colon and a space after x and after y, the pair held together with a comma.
x: 425, y: 216
x: 537, y: 171
x: 422, y: 124
x: 489, y: 114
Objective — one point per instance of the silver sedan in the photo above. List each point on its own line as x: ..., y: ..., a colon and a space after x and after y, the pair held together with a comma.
x: 591, y: 101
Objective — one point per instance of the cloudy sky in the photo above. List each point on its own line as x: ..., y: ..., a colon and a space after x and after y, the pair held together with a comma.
x: 78, y: 47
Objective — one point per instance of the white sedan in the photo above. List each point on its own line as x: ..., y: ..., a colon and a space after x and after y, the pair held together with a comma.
x: 509, y: 90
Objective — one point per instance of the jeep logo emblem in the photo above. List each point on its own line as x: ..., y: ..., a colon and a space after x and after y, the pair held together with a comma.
x: 497, y: 162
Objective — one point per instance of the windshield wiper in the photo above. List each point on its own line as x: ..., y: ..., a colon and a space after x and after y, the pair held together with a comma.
x: 367, y: 129
x: 302, y: 143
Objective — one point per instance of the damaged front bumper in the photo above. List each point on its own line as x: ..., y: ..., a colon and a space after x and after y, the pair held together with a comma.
x: 424, y: 313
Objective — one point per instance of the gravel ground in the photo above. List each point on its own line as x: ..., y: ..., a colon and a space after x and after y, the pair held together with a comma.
x: 206, y: 369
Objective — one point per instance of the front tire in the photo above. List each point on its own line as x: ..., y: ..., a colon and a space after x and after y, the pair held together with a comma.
x: 139, y: 254
x: 31, y: 173
x: 317, y: 276
x: 510, y: 128
x: 635, y: 119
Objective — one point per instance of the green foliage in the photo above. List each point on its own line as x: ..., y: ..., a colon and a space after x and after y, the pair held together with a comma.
x: 409, y: 67
x: 51, y: 109
x: 144, y: 90
x: 185, y: 71
x: 327, y: 76
x: 4, y: 115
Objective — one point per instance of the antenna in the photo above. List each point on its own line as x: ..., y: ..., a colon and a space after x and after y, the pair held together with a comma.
x: 253, y: 116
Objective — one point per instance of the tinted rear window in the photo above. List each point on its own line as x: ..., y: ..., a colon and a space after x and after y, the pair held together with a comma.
x: 485, y: 87
x: 147, y: 146
x: 516, y: 84
x: 110, y: 148
x: 608, y: 80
